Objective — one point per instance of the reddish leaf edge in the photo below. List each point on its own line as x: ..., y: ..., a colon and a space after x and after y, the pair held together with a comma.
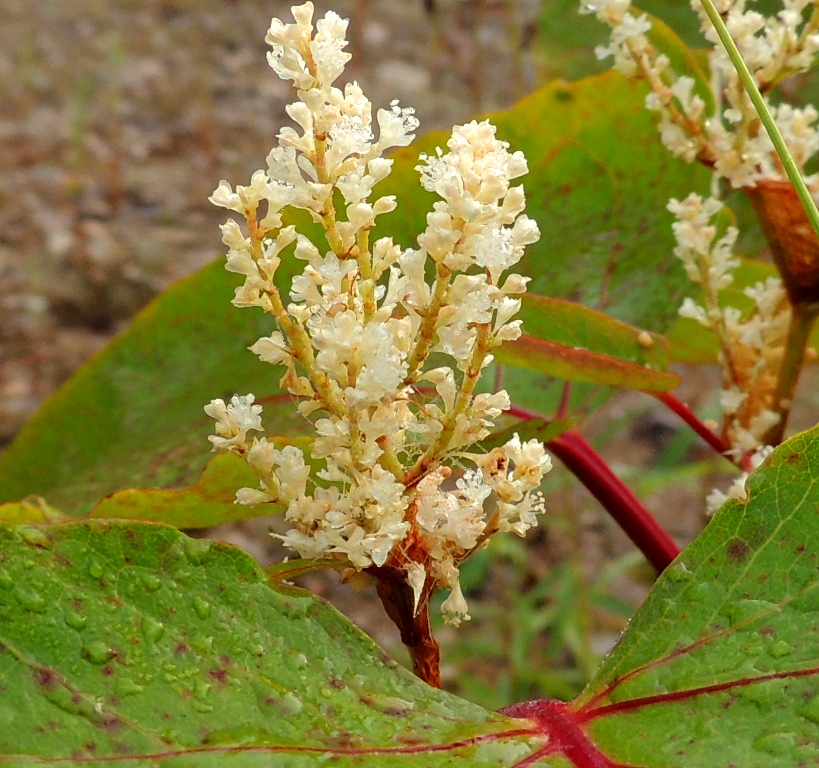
x: 562, y: 362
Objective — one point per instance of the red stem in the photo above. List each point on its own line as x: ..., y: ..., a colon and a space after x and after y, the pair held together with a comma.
x: 690, y: 418
x: 616, y: 498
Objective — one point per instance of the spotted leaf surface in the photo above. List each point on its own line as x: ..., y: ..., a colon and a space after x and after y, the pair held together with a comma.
x: 131, y: 644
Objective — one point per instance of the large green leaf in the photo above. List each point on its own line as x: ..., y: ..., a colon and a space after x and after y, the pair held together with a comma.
x: 135, y: 645
x: 133, y: 415
x: 598, y: 186
x: 131, y: 644
x: 720, y: 667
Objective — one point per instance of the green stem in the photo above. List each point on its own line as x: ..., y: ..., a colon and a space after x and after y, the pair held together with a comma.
x: 803, y: 316
x: 299, y: 341
x: 764, y: 114
x: 460, y: 406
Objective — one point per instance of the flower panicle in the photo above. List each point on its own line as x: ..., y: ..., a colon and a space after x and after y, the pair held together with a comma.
x: 752, y: 345
x: 727, y: 136
x: 398, y: 487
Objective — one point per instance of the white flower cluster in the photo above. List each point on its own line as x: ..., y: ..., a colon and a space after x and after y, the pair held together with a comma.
x: 732, y: 139
x: 752, y: 346
x: 681, y: 110
x: 774, y: 47
x: 398, y: 488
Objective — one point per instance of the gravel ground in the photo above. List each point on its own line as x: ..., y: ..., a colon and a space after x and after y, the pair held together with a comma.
x: 119, y: 118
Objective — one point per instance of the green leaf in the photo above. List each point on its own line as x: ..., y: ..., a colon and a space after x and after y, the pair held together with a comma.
x: 598, y: 186
x: 572, y: 342
x: 572, y: 364
x: 720, y: 666
x: 31, y: 510
x: 133, y: 644
x: 130, y: 643
x: 133, y: 415
x: 209, y: 501
x: 579, y: 327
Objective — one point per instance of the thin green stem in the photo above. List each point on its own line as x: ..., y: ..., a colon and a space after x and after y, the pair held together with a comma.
x: 297, y: 338
x: 462, y: 402
x: 764, y: 113
x: 802, y: 319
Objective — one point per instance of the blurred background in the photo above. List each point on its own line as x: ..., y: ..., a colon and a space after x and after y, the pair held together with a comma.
x: 118, y: 118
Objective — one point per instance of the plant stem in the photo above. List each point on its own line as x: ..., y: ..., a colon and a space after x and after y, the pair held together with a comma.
x: 693, y: 421
x: 803, y: 316
x: 617, y: 499
x: 764, y: 113
x: 426, y: 332
x: 416, y: 632
x: 613, y: 494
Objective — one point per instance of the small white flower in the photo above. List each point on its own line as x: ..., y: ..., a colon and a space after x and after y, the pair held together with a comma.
x: 234, y: 421
x: 416, y: 578
x: 731, y: 399
x: 454, y: 608
x: 717, y: 498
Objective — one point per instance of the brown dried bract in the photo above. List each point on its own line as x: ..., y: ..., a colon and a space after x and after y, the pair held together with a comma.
x: 790, y: 235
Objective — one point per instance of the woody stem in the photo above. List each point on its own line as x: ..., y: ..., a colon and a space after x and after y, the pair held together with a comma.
x: 416, y: 633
